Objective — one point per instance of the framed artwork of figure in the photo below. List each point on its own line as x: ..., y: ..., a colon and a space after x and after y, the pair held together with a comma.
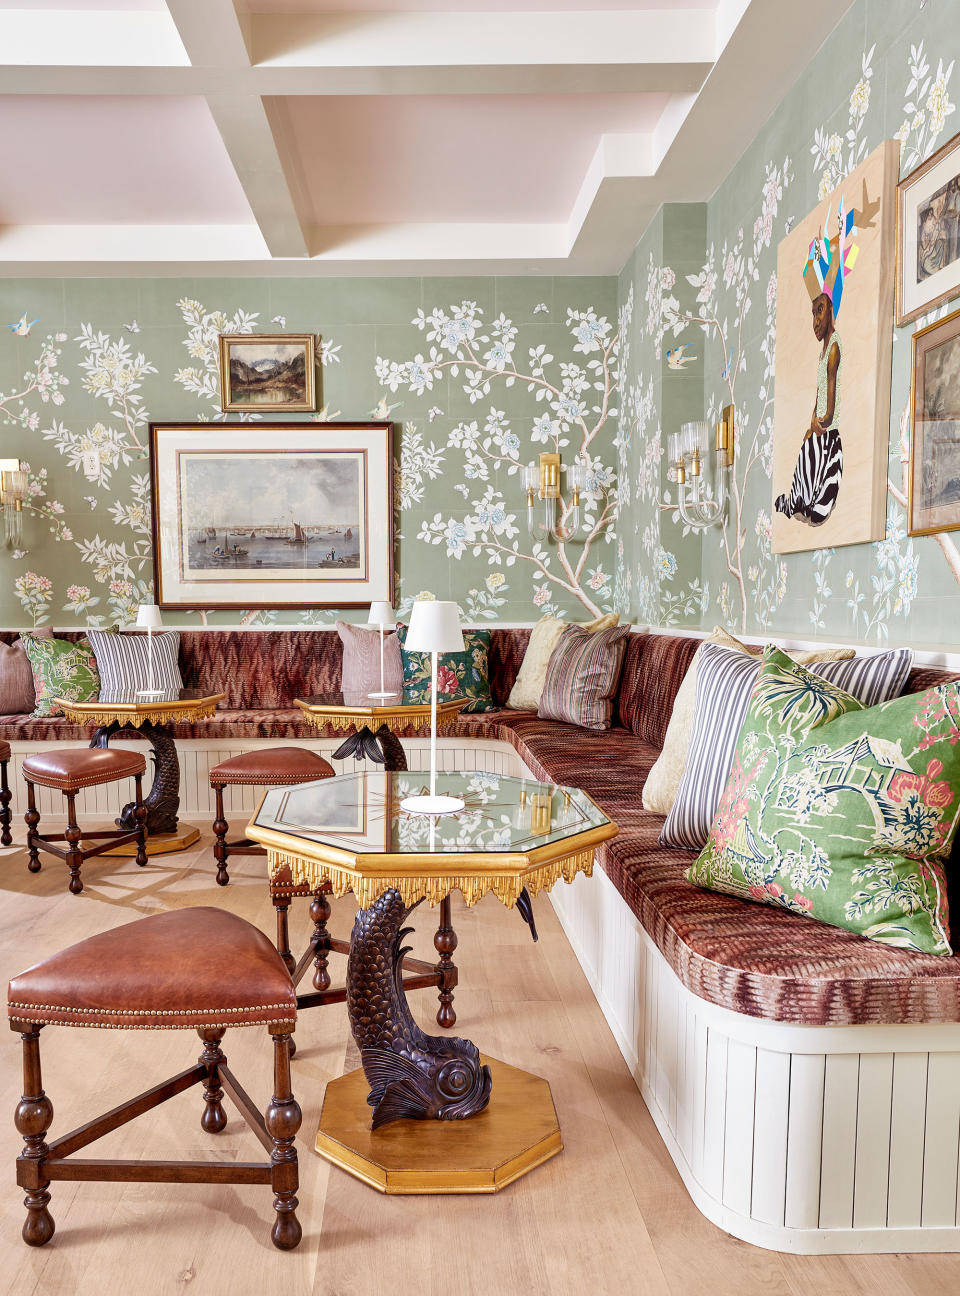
x: 934, y: 475
x: 835, y: 274
x: 928, y: 234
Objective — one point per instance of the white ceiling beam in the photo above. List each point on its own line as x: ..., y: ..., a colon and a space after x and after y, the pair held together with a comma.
x: 89, y: 38
x: 444, y: 39
x: 213, y: 36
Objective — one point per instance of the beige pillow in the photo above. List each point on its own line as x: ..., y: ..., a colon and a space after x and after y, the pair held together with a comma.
x: 660, y: 789
x: 528, y: 686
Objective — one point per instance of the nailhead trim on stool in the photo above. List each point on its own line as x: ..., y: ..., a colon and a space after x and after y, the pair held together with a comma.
x: 202, y: 955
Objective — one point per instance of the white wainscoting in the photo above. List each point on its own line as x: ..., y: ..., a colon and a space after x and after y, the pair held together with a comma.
x: 198, y: 756
x: 796, y: 1138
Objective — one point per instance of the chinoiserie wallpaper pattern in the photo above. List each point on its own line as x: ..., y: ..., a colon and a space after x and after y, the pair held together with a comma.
x: 482, y: 374
x: 888, y: 70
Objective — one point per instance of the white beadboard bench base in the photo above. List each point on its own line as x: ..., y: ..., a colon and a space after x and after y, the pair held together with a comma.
x: 811, y: 1140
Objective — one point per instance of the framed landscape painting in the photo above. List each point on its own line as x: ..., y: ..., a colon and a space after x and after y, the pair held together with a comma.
x: 272, y: 515
x: 928, y: 234
x: 266, y: 373
x: 934, y: 496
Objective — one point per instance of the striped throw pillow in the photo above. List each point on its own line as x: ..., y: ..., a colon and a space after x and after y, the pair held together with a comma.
x: 583, y: 675
x: 123, y: 662
x: 725, y: 682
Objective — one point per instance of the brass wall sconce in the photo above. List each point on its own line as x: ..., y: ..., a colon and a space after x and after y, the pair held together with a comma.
x: 703, y: 503
x: 13, y: 492
x: 559, y: 519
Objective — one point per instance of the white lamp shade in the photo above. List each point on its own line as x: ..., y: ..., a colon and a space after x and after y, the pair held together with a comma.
x: 148, y: 617
x: 382, y: 614
x: 434, y: 627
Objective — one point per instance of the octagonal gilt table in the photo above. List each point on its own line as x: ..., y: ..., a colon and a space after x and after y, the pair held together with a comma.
x: 360, y: 712
x: 351, y: 832
x: 154, y: 718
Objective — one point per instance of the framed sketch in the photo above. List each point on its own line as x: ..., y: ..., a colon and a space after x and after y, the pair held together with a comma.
x: 831, y: 425
x: 272, y: 515
x: 928, y: 234
x: 268, y: 372
x: 934, y: 470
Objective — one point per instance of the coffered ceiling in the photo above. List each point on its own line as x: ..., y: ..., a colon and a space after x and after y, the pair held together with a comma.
x: 374, y: 136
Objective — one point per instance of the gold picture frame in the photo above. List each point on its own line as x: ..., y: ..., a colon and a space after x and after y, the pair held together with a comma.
x: 929, y: 197
x: 933, y: 496
x: 268, y: 373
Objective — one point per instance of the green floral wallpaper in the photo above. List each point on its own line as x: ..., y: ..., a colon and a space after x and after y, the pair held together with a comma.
x: 479, y: 374
x: 886, y: 71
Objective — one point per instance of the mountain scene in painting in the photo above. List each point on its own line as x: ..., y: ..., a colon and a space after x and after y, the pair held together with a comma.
x: 269, y: 374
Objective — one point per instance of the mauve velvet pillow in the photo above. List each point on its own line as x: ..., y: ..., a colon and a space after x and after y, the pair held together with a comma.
x: 17, y: 694
x: 361, y: 660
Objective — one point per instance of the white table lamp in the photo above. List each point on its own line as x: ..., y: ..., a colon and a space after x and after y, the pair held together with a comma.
x: 434, y: 628
x: 382, y: 615
x: 148, y: 618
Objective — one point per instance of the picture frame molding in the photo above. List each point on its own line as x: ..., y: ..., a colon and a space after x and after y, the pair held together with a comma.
x: 953, y: 317
x: 902, y: 317
x: 388, y: 429
x: 307, y: 406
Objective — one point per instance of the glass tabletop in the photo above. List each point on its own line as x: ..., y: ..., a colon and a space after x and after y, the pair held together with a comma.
x: 131, y: 697
x: 361, y: 812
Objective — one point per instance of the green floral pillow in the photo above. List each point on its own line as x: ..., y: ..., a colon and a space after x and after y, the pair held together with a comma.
x: 60, y: 669
x: 839, y: 812
x: 463, y: 674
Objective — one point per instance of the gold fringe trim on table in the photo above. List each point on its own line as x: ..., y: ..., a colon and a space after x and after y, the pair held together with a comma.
x: 473, y: 886
x: 135, y: 719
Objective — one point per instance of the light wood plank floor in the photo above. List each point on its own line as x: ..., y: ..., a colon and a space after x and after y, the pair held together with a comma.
x: 609, y: 1215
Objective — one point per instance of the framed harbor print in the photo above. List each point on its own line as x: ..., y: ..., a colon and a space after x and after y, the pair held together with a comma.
x: 272, y: 515
x: 831, y: 426
x: 268, y: 372
x: 928, y: 234
x: 934, y: 470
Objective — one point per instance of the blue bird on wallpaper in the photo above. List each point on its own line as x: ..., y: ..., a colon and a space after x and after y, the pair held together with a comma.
x: 22, y: 328
x: 677, y: 357
x: 729, y: 365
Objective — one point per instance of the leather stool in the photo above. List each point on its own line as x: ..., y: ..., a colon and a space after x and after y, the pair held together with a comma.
x: 278, y: 767
x: 6, y: 837
x: 191, y: 969
x: 69, y: 771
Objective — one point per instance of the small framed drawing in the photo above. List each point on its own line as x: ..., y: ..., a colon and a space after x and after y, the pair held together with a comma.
x: 928, y: 234
x: 934, y: 495
x: 267, y: 372
x: 272, y: 515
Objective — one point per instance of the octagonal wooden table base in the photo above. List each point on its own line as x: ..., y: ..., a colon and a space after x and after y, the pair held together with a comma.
x: 515, y: 1133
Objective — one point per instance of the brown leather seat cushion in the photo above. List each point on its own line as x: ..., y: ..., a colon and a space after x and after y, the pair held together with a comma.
x: 79, y: 767
x: 4, y: 750
x: 183, y: 969
x: 271, y: 765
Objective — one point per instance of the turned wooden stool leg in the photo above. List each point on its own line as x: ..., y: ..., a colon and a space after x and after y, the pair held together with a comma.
x: 214, y: 1118
x: 282, y: 905
x: 320, y: 916
x: 220, y: 830
x: 140, y: 814
x: 6, y: 837
x: 445, y: 942
x: 283, y: 1120
x: 73, y: 835
x: 33, y: 1118
x: 32, y: 818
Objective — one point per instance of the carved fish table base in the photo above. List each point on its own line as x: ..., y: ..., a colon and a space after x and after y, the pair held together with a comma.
x: 411, y: 1074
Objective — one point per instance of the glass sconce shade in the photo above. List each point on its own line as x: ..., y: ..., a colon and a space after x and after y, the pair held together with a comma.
x: 700, y: 464
x: 13, y: 492
x: 558, y: 517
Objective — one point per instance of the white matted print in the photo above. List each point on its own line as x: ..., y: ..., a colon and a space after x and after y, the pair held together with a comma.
x: 832, y: 400
x: 928, y: 234
x: 281, y: 515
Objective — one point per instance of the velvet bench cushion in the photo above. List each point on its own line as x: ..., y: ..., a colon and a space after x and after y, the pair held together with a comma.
x: 756, y: 961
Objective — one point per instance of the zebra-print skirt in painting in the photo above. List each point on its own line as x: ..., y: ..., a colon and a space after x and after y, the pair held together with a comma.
x: 816, y: 479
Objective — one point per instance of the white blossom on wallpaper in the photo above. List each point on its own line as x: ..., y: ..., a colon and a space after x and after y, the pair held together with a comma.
x: 578, y: 399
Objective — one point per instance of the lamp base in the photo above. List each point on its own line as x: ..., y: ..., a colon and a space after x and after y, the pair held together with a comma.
x: 152, y: 693
x: 383, y: 694
x: 432, y: 805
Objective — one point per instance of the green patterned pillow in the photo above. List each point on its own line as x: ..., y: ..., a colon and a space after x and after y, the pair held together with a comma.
x: 839, y: 812
x: 463, y: 674
x: 60, y: 669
